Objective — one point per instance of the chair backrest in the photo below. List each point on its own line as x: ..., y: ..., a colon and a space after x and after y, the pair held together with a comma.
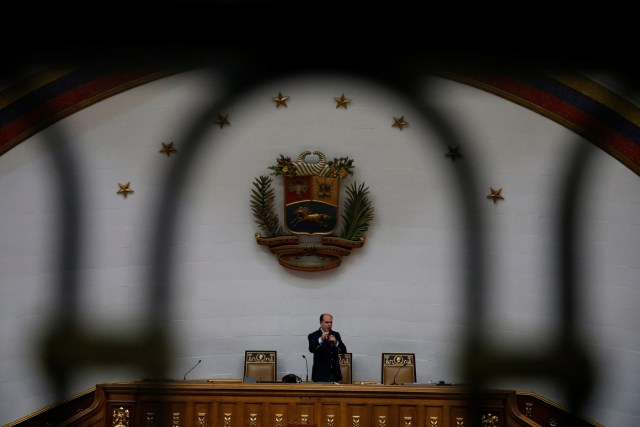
x: 260, y: 365
x: 398, y: 368
x: 345, y: 368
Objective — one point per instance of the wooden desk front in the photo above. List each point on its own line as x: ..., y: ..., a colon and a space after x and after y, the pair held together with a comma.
x: 227, y: 404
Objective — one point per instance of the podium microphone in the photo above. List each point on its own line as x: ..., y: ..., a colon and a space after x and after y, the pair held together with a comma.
x: 194, y: 367
x: 404, y: 363
x: 307, y: 366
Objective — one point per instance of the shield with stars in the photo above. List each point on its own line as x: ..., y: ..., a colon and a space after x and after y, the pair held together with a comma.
x: 311, y: 204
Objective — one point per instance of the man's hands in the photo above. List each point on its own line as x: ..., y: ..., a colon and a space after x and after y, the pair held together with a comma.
x: 326, y: 336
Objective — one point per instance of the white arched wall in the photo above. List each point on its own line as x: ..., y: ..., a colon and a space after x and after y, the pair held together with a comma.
x: 402, y: 291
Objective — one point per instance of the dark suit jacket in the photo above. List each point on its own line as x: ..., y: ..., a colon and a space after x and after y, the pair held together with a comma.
x: 326, y: 366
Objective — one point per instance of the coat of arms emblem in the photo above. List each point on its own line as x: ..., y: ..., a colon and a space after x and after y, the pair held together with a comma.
x: 311, y: 212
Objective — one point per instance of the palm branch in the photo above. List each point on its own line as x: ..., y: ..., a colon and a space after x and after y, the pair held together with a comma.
x: 358, y: 212
x: 262, y: 205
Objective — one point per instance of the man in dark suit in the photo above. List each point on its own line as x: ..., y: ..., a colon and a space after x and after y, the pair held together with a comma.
x: 326, y: 344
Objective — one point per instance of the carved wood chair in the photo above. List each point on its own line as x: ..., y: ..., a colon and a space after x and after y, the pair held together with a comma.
x: 345, y: 368
x: 260, y: 365
x: 398, y: 368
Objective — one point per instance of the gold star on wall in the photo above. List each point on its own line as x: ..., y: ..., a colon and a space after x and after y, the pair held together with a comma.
x: 495, y: 195
x: 280, y: 100
x: 342, y: 102
x: 168, y: 149
x: 399, y: 123
x: 124, y: 189
x: 454, y: 153
x: 223, y: 121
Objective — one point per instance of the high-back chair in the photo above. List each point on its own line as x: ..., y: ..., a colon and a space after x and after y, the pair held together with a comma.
x: 260, y: 365
x: 398, y: 368
x: 345, y: 368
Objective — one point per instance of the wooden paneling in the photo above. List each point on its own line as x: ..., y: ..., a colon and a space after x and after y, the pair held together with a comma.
x: 208, y: 404
x: 55, y: 414
x: 546, y: 412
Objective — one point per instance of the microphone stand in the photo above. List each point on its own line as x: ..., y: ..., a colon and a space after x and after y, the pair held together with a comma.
x: 194, y: 367
x: 397, y: 372
x: 306, y: 364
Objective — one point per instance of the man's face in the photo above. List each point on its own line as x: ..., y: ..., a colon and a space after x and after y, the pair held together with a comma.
x: 327, y: 322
